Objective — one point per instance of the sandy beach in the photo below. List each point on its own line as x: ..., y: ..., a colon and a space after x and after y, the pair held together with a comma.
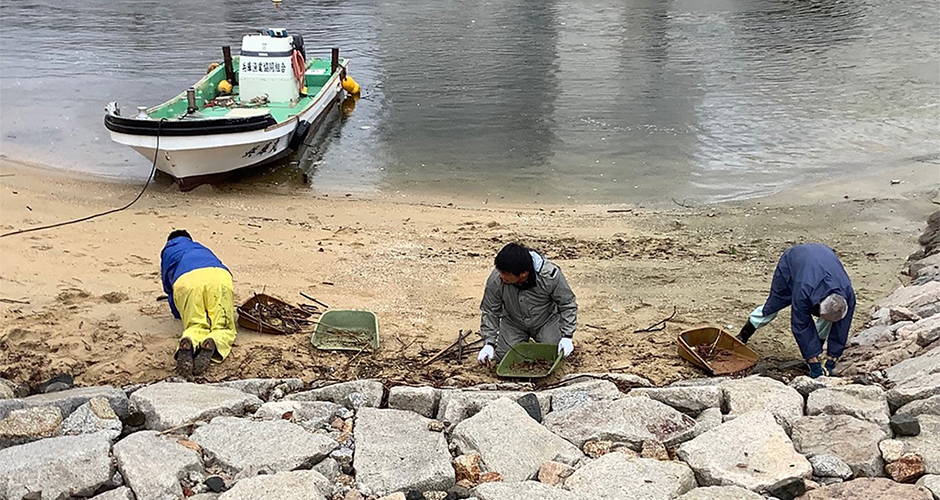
x: 82, y: 299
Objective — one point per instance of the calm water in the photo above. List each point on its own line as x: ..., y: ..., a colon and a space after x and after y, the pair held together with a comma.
x: 567, y: 100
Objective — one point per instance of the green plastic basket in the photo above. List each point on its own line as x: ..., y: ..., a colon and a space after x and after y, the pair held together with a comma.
x: 346, y: 330
x: 527, y: 351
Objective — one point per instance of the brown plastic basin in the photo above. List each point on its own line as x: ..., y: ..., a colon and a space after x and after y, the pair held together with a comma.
x: 741, y: 357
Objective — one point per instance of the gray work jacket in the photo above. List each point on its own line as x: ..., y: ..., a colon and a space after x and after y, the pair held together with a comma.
x: 529, y: 309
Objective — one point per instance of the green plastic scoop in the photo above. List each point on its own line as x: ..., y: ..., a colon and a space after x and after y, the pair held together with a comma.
x: 520, y: 361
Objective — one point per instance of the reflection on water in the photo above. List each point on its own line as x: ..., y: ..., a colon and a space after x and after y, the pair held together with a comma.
x: 564, y: 100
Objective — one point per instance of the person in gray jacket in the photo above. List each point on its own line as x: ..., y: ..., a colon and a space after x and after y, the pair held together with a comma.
x: 526, y: 296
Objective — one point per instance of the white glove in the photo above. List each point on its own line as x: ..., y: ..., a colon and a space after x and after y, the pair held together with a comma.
x: 565, y: 347
x: 486, y: 354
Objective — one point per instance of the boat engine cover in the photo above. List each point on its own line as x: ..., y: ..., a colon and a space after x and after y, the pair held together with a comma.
x: 265, y: 68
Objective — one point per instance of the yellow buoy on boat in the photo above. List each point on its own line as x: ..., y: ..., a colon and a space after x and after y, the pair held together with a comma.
x: 225, y: 87
x: 350, y: 85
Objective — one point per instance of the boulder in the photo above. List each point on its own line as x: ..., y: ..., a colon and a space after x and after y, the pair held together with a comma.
x: 761, y: 393
x: 263, y: 387
x: 927, y: 443
x: 69, y: 400
x: 269, y: 446
x: 868, y: 489
x: 166, y: 405
x: 721, y: 493
x: 929, y: 406
x: 617, y: 477
x: 352, y: 395
x: 806, y: 385
x: 629, y: 421
x: 923, y: 300
x: 29, y: 424
x: 554, y: 473
x: 467, y: 467
x: 421, y: 400
x: 926, y: 386
x: 865, y: 402
x: 581, y: 392
x: 329, y: 467
x: 924, y: 332
x: 873, y: 335
x: 706, y: 421
x: 510, y: 442
x: 902, y: 314
x: 752, y: 451
x: 689, y: 400
x: 932, y: 483
x: 854, y: 441
x: 94, y: 416
x: 526, y: 490
x: 122, y: 493
x: 892, y: 450
x: 60, y: 467
x: 457, y: 406
x: 396, y: 451
x: 311, y: 415
x: 903, y: 424
x: 287, y: 485
x: 153, y: 465
x: 907, y: 469
x: 825, y: 465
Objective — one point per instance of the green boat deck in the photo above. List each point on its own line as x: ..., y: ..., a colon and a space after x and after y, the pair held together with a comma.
x: 317, y: 74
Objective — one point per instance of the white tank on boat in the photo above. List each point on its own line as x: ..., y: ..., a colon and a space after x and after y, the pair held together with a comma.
x: 265, y: 67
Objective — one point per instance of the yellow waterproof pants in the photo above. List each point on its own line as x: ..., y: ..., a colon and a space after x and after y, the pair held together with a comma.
x: 205, y: 299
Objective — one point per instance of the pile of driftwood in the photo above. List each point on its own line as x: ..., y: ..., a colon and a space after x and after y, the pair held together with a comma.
x: 269, y: 314
x: 460, y: 348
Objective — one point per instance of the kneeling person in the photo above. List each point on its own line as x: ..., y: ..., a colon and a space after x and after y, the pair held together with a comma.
x: 200, y: 292
x: 526, y: 296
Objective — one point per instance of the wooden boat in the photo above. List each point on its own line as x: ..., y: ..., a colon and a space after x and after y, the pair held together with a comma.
x: 254, y: 109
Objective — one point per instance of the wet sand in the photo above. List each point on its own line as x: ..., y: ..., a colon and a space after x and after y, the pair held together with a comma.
x: 82, y: 299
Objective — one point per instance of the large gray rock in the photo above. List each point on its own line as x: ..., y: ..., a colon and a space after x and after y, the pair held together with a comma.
x: 825, y: 465
x: 167, y: 405
x: 688, y: 400
x: 311, y: 415
x: 931, y: 482
x: 510, y: 442
x: 629, y: 421
x: 927, y: 443
x: 293, y: 485
x: 909, y: 370
x: 94, y: 416
x: 924, y: 299
x: 721, y: 493
x: 29, y: 424
x: 10, y: 389
x: 457, y: 406
x: 59, y: 467
x: 852, y: 440
x: 615, y: 476
x: 865, y: 402
x: 581, y: 392
x: 924, y: 332
x: 752, y: 451
x: 872, y: 335
x: 929, y: 406
x: 868, y: 489
x: 153, y: 465
x: 353, y: 395
x: 122, y: 493
x: 706, y: 421
x: 263, y: 387
x: 421, y: 400
x: 270, y: 445
x: 395, y: 451
x: 526, y: 490
x: 69, y: 400
x: 806, y: 385
x: 761, y: 393
x: 927, y: 385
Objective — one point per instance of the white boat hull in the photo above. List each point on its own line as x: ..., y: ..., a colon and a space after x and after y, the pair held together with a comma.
x: 197, y: 159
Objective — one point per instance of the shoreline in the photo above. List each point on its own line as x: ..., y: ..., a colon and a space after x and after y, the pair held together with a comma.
x: 420, y: 266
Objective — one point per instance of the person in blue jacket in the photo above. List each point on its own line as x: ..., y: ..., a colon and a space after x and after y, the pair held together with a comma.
x: 200, y: 292
x: 812, y: 281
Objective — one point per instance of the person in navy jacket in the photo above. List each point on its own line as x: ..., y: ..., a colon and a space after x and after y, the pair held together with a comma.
x: 200, y: 293
x: 812, y: 281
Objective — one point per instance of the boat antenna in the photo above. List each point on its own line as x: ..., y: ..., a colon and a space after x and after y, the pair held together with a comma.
x: 153, y: 170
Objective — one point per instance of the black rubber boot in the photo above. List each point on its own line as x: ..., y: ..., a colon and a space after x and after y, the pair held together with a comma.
x: 184, y: 359
x: 203, y: 357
